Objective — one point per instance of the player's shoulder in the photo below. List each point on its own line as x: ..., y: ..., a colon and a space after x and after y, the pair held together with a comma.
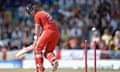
x: 40, y: 13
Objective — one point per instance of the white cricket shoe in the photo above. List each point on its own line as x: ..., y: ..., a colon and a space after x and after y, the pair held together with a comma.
x: 40, y: 71
x: 55, y: 66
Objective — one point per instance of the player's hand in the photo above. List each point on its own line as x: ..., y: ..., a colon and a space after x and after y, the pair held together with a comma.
x: 35, y: 40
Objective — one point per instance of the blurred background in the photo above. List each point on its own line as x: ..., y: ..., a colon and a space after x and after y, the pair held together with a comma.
x: 78, y: 20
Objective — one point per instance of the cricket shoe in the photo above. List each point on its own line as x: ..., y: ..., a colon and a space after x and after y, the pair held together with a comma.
x: 42, y: 70
x: 39, y: 71
x: 55, y: 65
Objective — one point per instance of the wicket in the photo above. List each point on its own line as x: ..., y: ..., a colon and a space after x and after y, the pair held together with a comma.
x: 85, y: 56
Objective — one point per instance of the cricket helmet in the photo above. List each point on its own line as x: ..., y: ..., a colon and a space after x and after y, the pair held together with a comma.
x: 32, y: 6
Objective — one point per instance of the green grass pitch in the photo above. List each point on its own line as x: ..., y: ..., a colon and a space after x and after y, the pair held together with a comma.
x: 59, y: 70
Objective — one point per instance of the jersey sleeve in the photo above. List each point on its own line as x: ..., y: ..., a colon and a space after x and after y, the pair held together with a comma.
x: 37, y: 19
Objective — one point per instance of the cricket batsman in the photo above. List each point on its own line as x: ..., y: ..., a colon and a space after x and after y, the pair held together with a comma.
x: 46, y: 40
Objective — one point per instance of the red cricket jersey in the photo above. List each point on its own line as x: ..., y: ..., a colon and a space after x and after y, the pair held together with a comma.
x: 45, y: 20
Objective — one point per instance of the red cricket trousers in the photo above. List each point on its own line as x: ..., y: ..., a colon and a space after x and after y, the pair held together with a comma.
x: 47, y: 41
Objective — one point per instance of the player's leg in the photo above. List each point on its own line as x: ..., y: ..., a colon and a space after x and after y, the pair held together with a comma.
x: 52, y: 59
x: 38, y: 56
x: 41, y: 43
x: 49, y: 51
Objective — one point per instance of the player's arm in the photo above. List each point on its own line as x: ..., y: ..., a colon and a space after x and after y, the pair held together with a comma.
x: 37, y: 31
x: 37, y: 26
x: 31, y: 47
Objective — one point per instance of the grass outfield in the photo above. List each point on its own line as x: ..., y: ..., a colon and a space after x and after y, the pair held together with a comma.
x: 59, y: 70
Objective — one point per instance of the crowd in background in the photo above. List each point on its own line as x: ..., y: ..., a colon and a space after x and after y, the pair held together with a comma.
x: 78, y: 20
